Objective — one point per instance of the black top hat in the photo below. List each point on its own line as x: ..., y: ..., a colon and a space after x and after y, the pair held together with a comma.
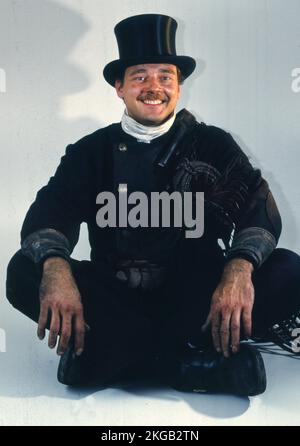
x: 146, y: 38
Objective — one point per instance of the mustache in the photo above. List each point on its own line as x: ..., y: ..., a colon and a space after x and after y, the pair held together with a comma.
x: 153, y: 97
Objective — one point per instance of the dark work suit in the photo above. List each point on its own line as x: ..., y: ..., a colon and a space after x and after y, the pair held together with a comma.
x: 130, y: 326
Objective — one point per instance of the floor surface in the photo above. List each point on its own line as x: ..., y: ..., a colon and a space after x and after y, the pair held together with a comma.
x: 31, y: 395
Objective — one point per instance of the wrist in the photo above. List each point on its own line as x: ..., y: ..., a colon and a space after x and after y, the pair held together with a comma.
x: 237, y: 267
x: 52, y: 264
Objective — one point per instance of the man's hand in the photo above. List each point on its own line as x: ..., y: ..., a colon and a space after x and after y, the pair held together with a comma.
x: 60, y: 297
x: 232, y: 302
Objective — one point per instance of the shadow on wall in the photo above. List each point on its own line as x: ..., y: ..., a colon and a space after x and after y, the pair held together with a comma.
x: 193, y: 82
x: 36, y: 42
x: 37, y: 39
x: 282, y: 201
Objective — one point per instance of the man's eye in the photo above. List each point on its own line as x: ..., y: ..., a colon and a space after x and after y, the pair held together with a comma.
x: 166, y: 78
x: 139, y: 78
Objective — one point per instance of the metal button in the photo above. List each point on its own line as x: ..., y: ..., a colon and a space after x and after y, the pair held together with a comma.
x: 122, y: 147
x: 122, y: 188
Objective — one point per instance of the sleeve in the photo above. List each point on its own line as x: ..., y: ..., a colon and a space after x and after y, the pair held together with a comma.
x: 45, y: 243
x: 257, y: 222
x: 52, y: 223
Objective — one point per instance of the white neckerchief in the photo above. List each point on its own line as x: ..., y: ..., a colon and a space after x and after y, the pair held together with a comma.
x: 142, y: 132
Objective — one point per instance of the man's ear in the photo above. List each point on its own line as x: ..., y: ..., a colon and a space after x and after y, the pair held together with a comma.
x: 119, y: 88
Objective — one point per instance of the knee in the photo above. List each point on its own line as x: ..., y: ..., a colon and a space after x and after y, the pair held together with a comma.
x: 19, y: 270
x: 283, y: 263
x: 286, y: 258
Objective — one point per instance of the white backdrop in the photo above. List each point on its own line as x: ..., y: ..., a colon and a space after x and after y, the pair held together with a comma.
x: 52, y: 54
x: 52, y: 92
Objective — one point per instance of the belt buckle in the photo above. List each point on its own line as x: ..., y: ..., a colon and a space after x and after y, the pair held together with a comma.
x: 139, y: 274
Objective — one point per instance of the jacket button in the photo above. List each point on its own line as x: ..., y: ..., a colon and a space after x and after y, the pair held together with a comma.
x: 122, y: 188
x: 122, y: 147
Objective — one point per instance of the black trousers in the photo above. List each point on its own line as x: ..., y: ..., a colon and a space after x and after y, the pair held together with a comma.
x: 129, y: 326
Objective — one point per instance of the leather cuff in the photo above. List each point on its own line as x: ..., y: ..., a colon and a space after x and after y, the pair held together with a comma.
x: 254, y: 244
x: 46, y: 243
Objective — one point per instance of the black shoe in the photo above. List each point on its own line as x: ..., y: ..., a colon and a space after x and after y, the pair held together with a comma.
x: 72, y: 369
x: 76, y: 370
x: 242, y: 373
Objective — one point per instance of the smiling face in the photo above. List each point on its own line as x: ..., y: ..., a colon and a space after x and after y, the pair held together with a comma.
x: 150, y: 92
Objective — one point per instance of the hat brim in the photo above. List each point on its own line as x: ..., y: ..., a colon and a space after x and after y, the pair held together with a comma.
x: 116, y: 68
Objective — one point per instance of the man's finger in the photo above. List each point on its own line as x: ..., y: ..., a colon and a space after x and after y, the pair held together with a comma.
x: 43, y: 317
x: 79, y: 327
x: 247, y: 322
x: 225, y: 333
x: 54, y: 328
x: 65, y: 335
x: 235, y: 331
x: 215, y: 331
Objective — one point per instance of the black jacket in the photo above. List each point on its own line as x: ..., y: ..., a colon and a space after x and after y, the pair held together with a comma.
x: 98, y: 162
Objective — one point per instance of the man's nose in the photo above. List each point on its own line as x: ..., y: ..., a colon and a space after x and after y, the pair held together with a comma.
x: 153, y: 84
